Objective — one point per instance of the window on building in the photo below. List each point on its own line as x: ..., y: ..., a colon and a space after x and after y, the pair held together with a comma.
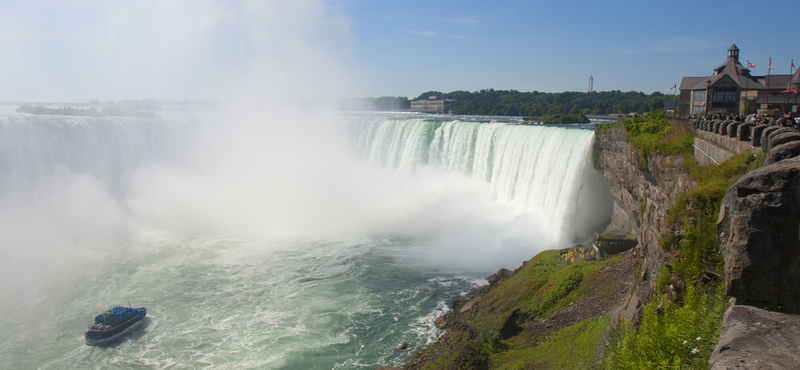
x: 724, y: 96
x: 699, y: 97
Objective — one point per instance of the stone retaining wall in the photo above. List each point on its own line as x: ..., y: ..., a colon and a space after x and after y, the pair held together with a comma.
x: 708, y: 153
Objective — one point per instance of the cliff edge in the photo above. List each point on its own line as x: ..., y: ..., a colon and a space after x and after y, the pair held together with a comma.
x: 643, y: 194
x: 758, y: 236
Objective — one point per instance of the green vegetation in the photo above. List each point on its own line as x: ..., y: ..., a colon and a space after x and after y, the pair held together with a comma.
x: 543, y: 286
x: 383, y: 103
x: 605, y: 128
x: 537, y: 104
x: 653, y: 133
x: 642, y: 204
x: 682, y: 337
x: 750, y: 106
x: 574, y: 347
x: 683, y: 333
x: 560, y: 118
x: 696, y: 212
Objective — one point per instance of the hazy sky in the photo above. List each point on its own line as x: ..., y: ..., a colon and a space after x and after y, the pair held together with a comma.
x: 75, y: 51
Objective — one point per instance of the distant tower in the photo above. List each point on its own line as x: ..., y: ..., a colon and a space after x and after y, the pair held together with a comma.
x: 591, y: 83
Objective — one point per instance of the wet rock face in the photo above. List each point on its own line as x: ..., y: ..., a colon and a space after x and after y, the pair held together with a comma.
x: 758, y: 230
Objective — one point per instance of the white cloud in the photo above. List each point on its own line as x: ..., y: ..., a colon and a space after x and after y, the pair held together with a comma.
x: 437, y: 34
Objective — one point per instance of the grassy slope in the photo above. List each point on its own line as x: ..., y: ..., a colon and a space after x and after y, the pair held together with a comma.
x: 573, y: 347
x: 540, y: 288
x: 543, y: 286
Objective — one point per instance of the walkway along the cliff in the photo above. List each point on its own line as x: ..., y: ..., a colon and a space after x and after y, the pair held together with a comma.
x: 720, y: 140
x: 758, y: 237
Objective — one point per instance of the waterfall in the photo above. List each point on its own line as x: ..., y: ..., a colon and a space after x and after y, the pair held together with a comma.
x: 189, y: 173
x: 545, y: 172
x: 36, y: 149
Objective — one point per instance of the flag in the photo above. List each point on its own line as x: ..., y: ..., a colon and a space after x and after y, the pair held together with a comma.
x: 751, y: 65
x: 770, y: 64
x: 673, y: 86
x: 793, y: 64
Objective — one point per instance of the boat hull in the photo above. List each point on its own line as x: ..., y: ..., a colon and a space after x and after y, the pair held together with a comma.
x: 116, y: 337
x: 114, y: 324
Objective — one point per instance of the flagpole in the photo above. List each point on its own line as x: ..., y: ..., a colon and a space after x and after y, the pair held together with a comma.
x: 746, y: 83
x: 769, y: 71
x: 675, y: 102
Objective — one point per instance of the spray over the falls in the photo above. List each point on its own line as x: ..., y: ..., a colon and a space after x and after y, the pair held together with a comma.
x: 249, y: 236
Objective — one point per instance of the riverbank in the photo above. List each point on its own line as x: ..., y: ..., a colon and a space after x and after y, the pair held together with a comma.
x: 539, y: 317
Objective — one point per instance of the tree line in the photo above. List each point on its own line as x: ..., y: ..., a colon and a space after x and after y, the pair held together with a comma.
x: 516, y: 103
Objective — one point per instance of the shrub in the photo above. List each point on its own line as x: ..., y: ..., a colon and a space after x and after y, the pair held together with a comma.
x: 652, y: 133
x: 681, y: 337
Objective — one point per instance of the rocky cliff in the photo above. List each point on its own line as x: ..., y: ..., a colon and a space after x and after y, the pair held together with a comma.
x: 758, y: 236
x: 643, y: 192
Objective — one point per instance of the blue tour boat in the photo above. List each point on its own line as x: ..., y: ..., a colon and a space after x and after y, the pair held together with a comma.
x: 114, y: 324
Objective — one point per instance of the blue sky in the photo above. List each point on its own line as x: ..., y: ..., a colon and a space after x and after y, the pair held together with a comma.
x: 206, y: 49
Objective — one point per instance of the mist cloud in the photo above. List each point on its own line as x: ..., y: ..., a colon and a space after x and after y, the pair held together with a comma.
x: 205, y: 49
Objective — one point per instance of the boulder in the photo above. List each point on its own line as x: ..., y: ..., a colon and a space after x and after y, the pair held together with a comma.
x: 754, y: 338
x: 499, y: 276
x: 733, y: 128
x: 758, y: 236
x: 723, y: 127
x: 745, y: 130
x: 766, y: 133
x: 510, y: 327
x: 782, y: 137
x: 783, y: 151
x: 756, y: 134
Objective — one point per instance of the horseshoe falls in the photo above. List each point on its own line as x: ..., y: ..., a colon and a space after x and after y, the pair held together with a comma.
x: 276, y: 239
x: 544, y: 173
